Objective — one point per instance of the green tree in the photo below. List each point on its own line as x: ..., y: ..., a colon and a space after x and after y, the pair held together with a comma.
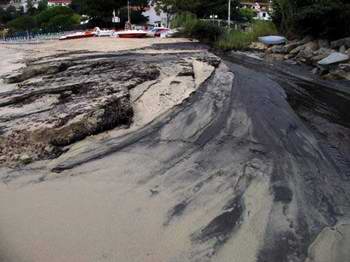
x: 22, y: 23
x: 57, y: 18
x: 320, y: 18
x: 247, y: 14
x: 42, y: 5
x: 31, y: 10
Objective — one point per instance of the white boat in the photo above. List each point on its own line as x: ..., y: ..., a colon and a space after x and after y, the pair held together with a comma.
x: 131, y: 34
x: 273, y: 40
x: 78, y: 35
x: 103, y: 33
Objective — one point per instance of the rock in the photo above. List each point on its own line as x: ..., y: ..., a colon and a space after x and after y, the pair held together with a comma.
x: 305, y: 55
x: 333, y: 59
x: 342, y: 49
x: 317, y: 58
x: 337, y: 75
x: 315, y: 71
x: 268, y: 50
x: 47, y: 114
x: 25, y: 159
x: 305, y: 40
x: 274, y: 57
x: 320, y: 54
x: 323, y: 43
x: 289, y: 56
x: 324, y: 51
x: 290, y: 46
x: 338, y: 43
x: 278, y: 49
x: 258, y: 46
x: 345, y: 67
x: 296, y: 50
x: 312, y: 45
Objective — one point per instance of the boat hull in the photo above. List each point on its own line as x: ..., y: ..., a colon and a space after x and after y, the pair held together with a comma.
x: 132, y: 35
x: 273, y: 40
x: 72, y: 37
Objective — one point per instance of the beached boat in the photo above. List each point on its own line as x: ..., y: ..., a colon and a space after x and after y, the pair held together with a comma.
x: 272, y: 40
x: 78, y: 35
x: 103, y: 32
x: 131, y: 34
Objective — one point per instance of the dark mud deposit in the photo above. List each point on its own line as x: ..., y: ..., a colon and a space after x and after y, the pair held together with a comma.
x: 266, y: 151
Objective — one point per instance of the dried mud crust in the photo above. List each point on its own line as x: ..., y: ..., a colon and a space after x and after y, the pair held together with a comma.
x: 61, y: 100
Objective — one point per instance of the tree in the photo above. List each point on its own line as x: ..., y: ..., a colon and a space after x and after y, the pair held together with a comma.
x: 31, y: 10
x: 57, y: 18
x: 42, y: 5
x: 22, y: 23
x: 320, y: 18
x: 247, y: 14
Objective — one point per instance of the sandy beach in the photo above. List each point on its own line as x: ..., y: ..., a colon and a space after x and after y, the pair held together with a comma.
x: 156, y: 150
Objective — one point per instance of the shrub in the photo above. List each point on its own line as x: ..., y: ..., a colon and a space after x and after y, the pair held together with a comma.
x: 234, y: 40
x: 192, y: 27
x: 262, y: 28
x: 241, y: 40
x: 63, y: 22
x: 183, y: 20
x: 205, y: 31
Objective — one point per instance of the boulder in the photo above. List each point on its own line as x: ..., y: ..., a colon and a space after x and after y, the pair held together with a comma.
x: 296, y: 50
x: 317, y: 58
x: 323, y: 43
x: 305, y: 40
x: 274, y: 57
x: 306, y: 54
x: 290, y: 46
x: 312, y: 45
x: 320, y: 54
x: 279, y: 49
x: 345, y: 67
x: 337, y: 75
x: 333, y: 59
x: 289, y: 56
x: 340, y: 42
x: 342, y: 49
x: 257, y: 46
x: 25, y: 159
x: 323, y: 51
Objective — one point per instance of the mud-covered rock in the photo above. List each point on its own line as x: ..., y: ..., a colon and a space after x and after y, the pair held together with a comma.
x: 59, y: 101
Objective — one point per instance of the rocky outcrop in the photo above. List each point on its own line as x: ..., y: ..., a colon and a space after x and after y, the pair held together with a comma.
x: 59, y: 101
x: 325, y: 56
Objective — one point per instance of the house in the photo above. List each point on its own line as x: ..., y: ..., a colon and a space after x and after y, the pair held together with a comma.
x: 22, y: 4
x: 59, y: 2
x: 262, y: 8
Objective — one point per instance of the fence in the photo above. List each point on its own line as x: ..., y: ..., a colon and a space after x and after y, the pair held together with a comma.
x: 21, y: 37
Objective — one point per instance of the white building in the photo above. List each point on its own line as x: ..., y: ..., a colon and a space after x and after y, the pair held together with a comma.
x: 156, y: 18
x: 24, y: 4
x: 59, y: 2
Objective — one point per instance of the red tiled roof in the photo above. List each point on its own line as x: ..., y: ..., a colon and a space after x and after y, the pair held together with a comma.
x: 60, y: 1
